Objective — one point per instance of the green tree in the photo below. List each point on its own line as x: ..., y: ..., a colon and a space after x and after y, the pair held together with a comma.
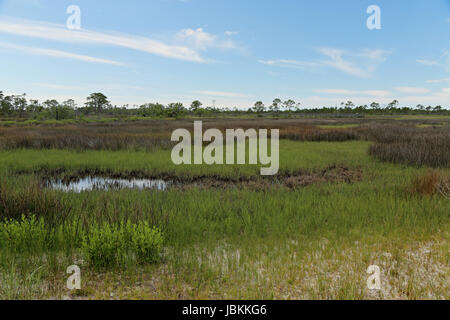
x: 375, y: 106
x: 6, y: 105
x: 259, y: 107
x: 288, y: 104
x: 195, y: 106
x: 175, y: 110
x: 97, y: 101
x: 20, y: 104
x: 392, y: 105
x: 275, y: 106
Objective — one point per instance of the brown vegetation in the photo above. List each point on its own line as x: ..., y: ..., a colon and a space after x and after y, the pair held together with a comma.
x: 431, y: 183
x: 411, y: 145
x: 151, y: 134
x: 399, y: 142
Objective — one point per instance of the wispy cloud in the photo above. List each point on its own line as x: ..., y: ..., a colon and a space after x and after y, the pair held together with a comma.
x: 427, y: 62
x: 55, y: 32
x: 222, y: 94
x: 289, y: 63
x: 439, y: 80
x: 57, y: 86
x: 443, y: 61
x: 58, y: 54
x: 360, y: 64
x: 413, y: 90
x: 345, y: 92
x: 91, y: 86
x: 202, y: 40
x: 230, y: 33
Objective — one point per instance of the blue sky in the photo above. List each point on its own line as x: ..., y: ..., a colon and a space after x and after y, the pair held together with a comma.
x: 236, y: 52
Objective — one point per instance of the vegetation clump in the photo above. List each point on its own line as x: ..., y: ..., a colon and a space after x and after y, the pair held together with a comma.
x: 102, y: 245
x: 105, y: 245
x: 433, y: 182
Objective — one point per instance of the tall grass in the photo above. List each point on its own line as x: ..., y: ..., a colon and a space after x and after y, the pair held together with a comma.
x: 148, y: 135
x: 411, y: 145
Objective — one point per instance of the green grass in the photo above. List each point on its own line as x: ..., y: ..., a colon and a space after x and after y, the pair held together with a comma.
x: 314, y: 242
x: 423, y: 117
x: 293, y: 156
x: 430, y: 125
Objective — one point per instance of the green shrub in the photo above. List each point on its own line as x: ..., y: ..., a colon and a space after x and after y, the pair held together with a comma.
x: 106, y: 246
x: 69, y: 235
x: 25, y: 234
x: 102, y: 246
x: 145, y: 241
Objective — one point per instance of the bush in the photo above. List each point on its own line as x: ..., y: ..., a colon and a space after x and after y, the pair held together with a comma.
x: 25, y: 234
x: 146, y: 242
x: 106, y: 245
x: 102, y: 246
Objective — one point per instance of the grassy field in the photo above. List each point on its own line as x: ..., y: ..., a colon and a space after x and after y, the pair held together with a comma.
x: 339, y: 209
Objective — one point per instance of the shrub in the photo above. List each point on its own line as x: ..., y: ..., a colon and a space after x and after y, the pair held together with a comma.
x: 106, y: 245
x: 102, y: 246
x: 146, y: 242
x: 25, y: 234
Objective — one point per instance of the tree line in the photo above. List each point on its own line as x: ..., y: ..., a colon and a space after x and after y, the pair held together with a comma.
x: 17, y: 106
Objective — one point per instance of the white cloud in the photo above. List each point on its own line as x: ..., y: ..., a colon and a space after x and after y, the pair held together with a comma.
x: 372, y: 93
x: 443, y: 61
x: 230, y: 33
x: 59, y: 54
x: 55, y: 32
x: 439, y: 80
x: 335, y: 91
x: 57, y: 86
x: 427, y: 62
x: 360, y: 64
x: 221, y: 94
x: 201, y: 40
x: 289, y: 63
x: 412, y: 90
x: 377, y: 93
x: 446, y: 90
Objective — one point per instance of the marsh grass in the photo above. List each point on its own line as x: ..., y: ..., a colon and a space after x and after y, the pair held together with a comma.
x: 151, y: 134
x: 411, y: 145
x: 313, y: 242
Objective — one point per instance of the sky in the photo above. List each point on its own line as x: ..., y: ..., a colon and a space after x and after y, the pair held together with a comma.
x: 234, y: 52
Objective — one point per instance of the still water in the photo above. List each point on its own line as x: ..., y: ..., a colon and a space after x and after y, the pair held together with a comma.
x: 101, y: 183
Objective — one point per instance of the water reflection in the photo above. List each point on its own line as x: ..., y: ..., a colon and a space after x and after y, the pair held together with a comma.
x: 100, y: 183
